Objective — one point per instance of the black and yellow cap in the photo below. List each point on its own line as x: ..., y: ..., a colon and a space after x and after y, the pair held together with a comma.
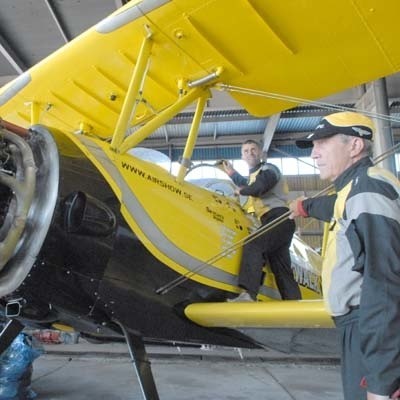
x: 347, y: 123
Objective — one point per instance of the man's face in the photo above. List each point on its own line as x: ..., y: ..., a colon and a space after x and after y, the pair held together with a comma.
x: 333, y: 156
x: 251, y: 153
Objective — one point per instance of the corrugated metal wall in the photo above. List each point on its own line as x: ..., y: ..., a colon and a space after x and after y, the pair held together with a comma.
x: 229, y: 152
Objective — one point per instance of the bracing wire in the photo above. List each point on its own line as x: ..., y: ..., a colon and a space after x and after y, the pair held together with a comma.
x: 206, y: 264
x: 298, y: 100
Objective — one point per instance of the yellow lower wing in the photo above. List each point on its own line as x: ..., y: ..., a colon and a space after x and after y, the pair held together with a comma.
x: 271, y: 314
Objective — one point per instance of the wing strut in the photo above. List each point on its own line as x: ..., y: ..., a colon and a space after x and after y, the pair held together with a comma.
x: 121, y: 143
x: 141, y: 363
x: 135, y: 86
x: 161, y: 118
x: 191, y: 141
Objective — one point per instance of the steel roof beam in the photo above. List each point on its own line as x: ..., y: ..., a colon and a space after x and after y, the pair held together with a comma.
x: 57, y: 20
x: 235, y: 140
x: 11, y: 56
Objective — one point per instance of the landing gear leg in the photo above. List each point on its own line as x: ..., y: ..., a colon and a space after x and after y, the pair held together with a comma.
x: 9, y: 333
x: 142, y: 364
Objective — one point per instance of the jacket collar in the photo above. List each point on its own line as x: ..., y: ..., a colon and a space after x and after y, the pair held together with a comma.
x: 256, y: 168
x: 350, y: 173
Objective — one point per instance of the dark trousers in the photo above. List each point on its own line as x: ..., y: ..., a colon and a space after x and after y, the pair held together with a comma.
x: 271, y: 247
x: 352, y: 368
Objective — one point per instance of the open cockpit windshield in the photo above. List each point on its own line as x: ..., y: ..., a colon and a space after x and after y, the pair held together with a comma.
x: 208, y: 176
x: 153, y: 156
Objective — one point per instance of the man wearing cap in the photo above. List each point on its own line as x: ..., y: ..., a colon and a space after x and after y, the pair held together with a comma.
x: 267, y: 199
x: 361, y: 267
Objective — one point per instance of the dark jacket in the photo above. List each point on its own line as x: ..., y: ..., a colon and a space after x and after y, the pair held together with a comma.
x: 266, y: 188
x: 362, y: 263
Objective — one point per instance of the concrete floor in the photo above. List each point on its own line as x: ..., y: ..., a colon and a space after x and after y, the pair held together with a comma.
x: 80, y: 372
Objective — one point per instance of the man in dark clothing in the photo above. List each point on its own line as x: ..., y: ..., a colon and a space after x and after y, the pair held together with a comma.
x: 267, y: 193
x: 361, y: 267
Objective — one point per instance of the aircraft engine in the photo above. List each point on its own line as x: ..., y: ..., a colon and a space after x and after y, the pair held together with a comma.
x: 29, y: 176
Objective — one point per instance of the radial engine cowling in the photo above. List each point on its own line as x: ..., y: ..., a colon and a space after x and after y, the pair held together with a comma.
x: 29, y: 177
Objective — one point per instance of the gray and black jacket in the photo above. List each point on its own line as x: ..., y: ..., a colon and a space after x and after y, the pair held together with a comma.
x: 362, y: 263
x: 266, y: 187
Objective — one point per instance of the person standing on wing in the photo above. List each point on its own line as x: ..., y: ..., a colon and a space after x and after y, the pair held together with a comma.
x: 267, y: 193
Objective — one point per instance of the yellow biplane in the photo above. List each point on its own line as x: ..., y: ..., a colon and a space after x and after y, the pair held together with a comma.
x: 106, y: 242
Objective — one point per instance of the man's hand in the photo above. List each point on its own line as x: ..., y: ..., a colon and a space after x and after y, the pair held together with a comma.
x: 296, y: 208
x: 225, y: 166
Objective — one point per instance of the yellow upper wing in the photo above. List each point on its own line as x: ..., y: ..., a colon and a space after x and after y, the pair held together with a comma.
x: 308, y: 49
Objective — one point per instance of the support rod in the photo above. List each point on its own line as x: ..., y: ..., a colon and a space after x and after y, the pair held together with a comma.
x: 130, y: 103
x: 146, y: 130
x: 35, y: 112
x: 191, y: 140
x: 385, y: 139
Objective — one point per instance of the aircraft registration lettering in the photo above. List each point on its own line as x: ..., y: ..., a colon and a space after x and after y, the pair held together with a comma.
x: 157, y: 181
x: 307, y: 278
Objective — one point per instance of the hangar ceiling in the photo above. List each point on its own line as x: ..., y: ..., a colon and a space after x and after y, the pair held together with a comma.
x: 31, y: 30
